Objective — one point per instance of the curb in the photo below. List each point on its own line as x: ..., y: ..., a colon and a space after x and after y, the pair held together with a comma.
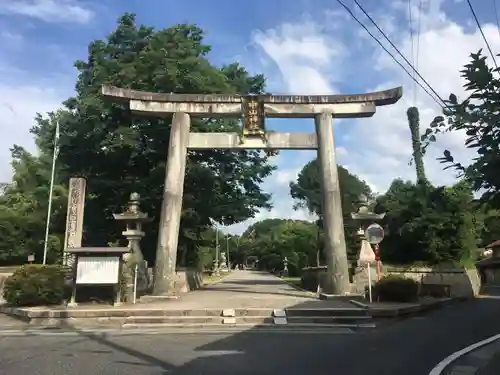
x: 297, y: 288
x: 217, y: 281
x: 447, y: 363
x: 381, y: 312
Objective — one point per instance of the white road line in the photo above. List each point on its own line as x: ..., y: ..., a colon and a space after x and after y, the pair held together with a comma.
x: 438, y: 370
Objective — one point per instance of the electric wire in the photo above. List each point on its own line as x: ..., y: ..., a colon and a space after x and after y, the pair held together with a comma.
x: 412, y: 40
x: 438, y: 100
x: 399, y: 52
x: 482, y: 33
x: 495, y: 10
x: 419, y: 30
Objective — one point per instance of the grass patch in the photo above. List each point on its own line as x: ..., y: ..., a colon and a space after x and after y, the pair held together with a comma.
x: 295, y: 281
x: 210, y: 279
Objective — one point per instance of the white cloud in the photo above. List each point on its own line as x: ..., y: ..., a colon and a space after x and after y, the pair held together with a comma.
x: 48, y: 10
x: 301, y: 50
x: 18, y: 107
x: 312, y: 59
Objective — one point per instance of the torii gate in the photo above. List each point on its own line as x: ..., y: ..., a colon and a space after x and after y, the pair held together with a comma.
x: 253, y: 109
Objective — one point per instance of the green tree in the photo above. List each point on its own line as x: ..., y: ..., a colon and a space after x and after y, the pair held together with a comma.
x: 427, y: 224
x: 306, y: 191
x: 118, y: 153
x: 293, y: 239
x: 418, y: 156
x: 23, y: 210
x: 477, y: 116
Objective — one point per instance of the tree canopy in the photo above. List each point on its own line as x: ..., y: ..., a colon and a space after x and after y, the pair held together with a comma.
x: 306, y: 192
x: 119, y: 153
x: 477, y: 116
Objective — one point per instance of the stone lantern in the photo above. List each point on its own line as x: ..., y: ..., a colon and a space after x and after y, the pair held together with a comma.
x: 366, y: 255
x: 285, y: 267
x: 133, y: 219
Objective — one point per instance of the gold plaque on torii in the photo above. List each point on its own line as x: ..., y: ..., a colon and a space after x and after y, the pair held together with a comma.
x: 253, y: 116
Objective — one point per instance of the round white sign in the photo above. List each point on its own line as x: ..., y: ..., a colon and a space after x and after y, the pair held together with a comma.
x: 374, y: 234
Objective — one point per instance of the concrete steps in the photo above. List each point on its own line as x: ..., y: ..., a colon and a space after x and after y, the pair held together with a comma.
x: 136, y: 320
x: 314, y: 318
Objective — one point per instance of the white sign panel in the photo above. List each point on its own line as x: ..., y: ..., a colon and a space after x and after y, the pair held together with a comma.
x: 98, y: 270
x: 366, y: 255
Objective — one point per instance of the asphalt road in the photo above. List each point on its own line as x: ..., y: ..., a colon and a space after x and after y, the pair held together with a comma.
x: 409, y: 347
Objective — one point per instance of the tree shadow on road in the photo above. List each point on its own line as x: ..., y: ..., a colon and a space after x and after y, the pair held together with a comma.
x: 409, y: 347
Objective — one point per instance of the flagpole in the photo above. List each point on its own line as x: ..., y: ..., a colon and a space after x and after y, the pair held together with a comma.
x: 49, y: 209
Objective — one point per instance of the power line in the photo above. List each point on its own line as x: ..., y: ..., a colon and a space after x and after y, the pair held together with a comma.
x: 495, y: 10
x: 482, y: 33
x: 399, y: 52
x: 443, y: 103
x: 410, y: 20
x: 419, y: 30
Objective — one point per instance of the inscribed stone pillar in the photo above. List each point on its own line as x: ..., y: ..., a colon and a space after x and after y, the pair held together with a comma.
x: 335, y: 247
x: 168, y: 235
x: 74, y: 217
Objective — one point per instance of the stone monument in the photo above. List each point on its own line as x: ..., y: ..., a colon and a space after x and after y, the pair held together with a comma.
x: 253, y: 109
x: 74, y: 218
x: 133, y: 219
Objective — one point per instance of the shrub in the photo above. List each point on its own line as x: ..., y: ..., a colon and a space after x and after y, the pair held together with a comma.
x: 393, y: 288
x: 310, y: 277
x: 33, y: 285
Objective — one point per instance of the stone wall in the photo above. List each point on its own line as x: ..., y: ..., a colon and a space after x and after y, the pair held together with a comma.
x: 462, y: 282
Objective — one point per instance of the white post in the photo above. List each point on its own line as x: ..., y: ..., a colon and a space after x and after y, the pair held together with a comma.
x: 216, y: 250
x: 135, y: 283
x: 227, y: 251
x: 369, y: 283
x: 49, y: 209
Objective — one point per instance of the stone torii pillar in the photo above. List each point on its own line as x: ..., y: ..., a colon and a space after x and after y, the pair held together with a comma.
x: 253, y: 109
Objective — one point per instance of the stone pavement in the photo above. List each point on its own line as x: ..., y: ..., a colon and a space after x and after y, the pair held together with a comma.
x: 10, y: 322
x: 245, y: 289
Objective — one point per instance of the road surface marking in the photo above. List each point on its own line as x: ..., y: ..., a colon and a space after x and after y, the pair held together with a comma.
x: 438, y: 370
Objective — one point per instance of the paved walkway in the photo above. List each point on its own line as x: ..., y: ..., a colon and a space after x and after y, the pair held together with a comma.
x: 10, y: 322
x: 243, y: 289
x: 238, y: 290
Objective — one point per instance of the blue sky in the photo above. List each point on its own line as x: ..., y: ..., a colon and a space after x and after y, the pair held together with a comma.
x: 299, y: 46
